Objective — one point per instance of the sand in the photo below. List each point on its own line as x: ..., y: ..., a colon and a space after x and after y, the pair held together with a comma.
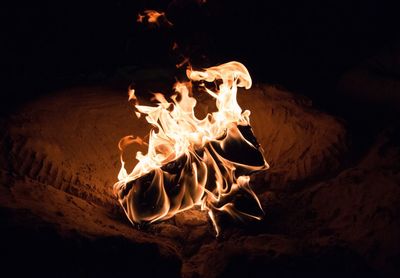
x: 59, y: 160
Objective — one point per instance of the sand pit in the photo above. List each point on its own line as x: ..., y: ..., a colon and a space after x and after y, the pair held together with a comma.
x: 60, y: 159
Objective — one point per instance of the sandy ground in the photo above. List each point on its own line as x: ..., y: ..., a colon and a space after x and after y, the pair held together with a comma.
x: 59, y: 160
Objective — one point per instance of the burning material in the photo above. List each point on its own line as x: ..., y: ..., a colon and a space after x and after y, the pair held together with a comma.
x: 194, y: 162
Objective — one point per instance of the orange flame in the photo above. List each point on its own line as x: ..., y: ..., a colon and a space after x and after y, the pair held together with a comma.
x: 153, y: 17
x: 190, y: 161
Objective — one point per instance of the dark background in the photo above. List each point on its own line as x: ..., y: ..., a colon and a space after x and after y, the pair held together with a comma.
x: 304, y: 46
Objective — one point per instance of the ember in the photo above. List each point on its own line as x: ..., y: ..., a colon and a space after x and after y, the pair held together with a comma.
x: 190, y: 161
x: 153, y: 17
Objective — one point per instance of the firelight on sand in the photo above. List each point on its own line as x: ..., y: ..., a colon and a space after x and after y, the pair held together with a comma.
x: 190, y: 161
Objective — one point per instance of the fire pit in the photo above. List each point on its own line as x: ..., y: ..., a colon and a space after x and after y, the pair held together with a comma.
x: 219, y: 177
x: 64, y: 180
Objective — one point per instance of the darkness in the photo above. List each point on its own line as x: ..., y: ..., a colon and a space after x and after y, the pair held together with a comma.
x: 303, y: 46
x: 50, y: 253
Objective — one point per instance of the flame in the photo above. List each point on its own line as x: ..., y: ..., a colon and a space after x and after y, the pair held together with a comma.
x: 153, y: 17
x: 190, y: 161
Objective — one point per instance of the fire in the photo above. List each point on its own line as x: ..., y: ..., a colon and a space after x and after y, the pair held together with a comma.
x: 190, y: 161
x: 153, y: 17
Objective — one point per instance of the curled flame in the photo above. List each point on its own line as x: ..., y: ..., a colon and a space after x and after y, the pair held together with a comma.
x: 191, y: 161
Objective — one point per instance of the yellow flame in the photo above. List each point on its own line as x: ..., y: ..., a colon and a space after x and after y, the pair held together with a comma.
x: 192, y: 161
